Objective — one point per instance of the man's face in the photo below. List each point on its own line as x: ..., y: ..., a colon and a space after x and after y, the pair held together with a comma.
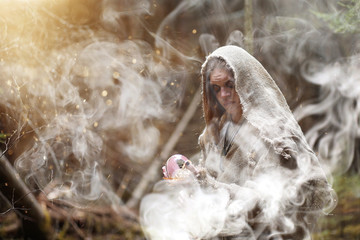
x: 223, y: 84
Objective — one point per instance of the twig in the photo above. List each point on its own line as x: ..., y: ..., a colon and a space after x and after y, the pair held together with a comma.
x: 91, y: 220
x: 124, y: 183
x: 25, y: 201
x: 12, y: 205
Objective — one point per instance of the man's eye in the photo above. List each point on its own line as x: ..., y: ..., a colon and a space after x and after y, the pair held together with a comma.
x: 230, y: 84
x: 216, y: 88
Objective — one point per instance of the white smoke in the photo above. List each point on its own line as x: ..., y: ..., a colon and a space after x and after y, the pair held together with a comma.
x: 318, y: 76
x: 254, y: 205
x: 87, y: 93
x: 285, y: 45
x: 181, y: 210
x: 334, y: 136
x: 85, y: 86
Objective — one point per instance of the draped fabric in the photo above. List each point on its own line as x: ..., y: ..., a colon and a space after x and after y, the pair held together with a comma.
x: 268, y: 152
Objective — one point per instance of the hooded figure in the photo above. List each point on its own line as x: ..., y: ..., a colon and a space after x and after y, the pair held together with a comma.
x: 252, y: 140
x: 258, y: 177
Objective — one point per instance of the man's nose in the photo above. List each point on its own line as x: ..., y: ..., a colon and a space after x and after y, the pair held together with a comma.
x: 224, y: 92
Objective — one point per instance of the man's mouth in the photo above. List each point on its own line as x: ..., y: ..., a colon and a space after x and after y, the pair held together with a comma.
x: 228, y: 103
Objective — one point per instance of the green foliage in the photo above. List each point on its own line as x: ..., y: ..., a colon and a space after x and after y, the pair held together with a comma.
x: 346, y: 20
x: 3, y: 137
x: 344, y: 221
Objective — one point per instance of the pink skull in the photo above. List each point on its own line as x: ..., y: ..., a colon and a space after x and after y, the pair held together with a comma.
x: 174, y: 163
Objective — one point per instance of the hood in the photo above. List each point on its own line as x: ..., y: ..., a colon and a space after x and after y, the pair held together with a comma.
x: 264, y: 106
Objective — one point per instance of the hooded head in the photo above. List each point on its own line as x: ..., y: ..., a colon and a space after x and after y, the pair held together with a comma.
x: 220, y: 87
x: 261, y: 102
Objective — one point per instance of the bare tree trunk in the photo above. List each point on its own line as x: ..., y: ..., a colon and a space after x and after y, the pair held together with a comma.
x: 249, y: 26
x: 153, y: 172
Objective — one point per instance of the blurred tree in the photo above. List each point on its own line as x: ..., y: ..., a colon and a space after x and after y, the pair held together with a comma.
x: 344, y: 221
x: 346, y: 20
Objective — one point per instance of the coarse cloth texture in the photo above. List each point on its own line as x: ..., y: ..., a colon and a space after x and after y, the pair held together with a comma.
x: 268, y: 154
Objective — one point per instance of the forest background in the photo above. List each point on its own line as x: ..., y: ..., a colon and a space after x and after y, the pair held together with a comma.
x: 96, y: 95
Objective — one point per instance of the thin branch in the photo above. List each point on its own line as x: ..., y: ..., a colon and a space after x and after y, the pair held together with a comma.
x: 25, y: 201
x: 152, y: 174
x: 13, y: 203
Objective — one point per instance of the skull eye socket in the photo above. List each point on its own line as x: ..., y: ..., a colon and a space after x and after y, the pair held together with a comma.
x: 180, y: 163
